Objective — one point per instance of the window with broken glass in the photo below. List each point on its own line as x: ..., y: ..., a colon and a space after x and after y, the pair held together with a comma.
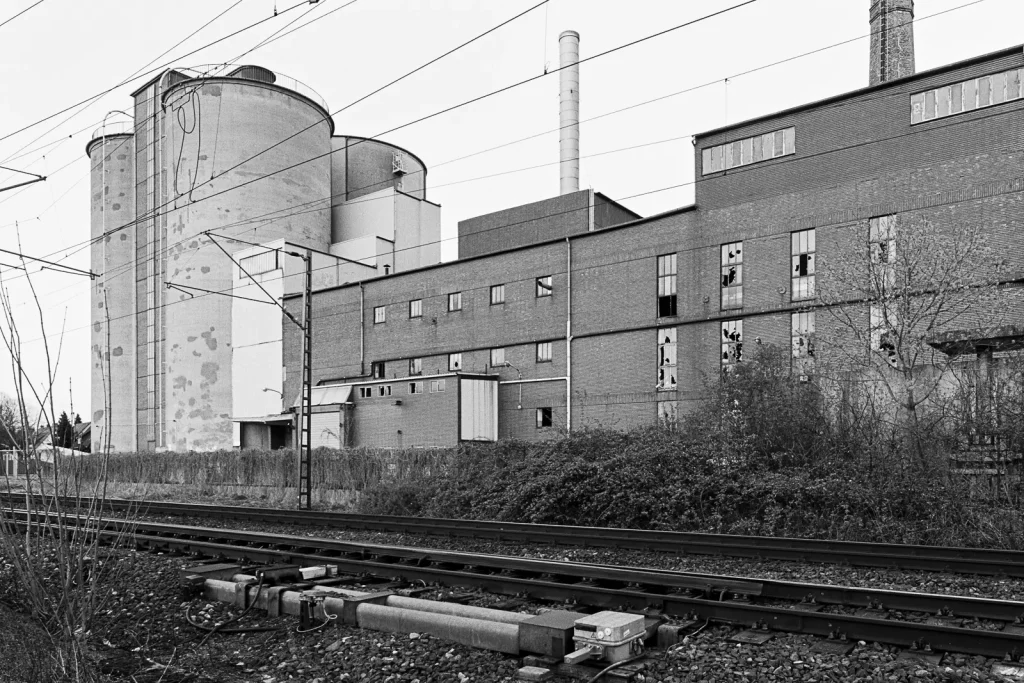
x: 377, y: 369
x: 803, y: 342
x: 667, y: 359
x: 732, y: 275
x: 666, y: 285
x: 544, y: 286
x: 732, y: 344
x: 415, y: 366
x: 882, y: 245
x: 543, y: 417
x: 802, y: 273
x: 454, y: 361
x: 883, y: 340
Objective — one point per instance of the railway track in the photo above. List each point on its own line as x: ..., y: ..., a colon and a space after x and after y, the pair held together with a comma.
x: 901, y: 618
x: 983, y: 561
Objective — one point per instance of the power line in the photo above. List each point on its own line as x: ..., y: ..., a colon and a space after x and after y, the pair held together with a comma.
x: 7, y: 21
x: 1019, y: 181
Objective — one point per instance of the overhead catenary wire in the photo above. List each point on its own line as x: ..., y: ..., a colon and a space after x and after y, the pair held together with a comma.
x: 975, y: 2
x: 10, y: 19
x: 227, y: 291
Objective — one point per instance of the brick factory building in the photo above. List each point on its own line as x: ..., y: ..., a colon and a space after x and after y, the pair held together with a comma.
x: 561, y: 314
x: 588, y: 315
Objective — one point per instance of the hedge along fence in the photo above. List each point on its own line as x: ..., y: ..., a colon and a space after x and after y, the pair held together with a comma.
x: 338, y: 476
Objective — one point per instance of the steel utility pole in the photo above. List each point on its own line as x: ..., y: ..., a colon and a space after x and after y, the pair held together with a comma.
x: 305, y: 450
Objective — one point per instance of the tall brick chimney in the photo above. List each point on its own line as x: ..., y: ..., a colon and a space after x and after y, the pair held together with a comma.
x: 892, y: 40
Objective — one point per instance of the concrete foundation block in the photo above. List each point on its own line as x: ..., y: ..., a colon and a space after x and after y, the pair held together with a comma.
x: 548, y: 634
x: 534, y: 673
x: 542, y: 662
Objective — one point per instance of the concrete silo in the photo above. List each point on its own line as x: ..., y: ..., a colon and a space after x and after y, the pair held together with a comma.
x: 247, y: 155
x: 111, y: 155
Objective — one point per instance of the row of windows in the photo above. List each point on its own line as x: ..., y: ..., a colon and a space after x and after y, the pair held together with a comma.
x: 748, y: 150
x: 378, y: 369
x: 543, y: 289
x: 975, y: 93
x: 802, y: 336
x: 384, y: 390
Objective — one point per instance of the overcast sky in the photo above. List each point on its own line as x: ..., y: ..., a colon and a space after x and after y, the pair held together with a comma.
x: 64, y: 51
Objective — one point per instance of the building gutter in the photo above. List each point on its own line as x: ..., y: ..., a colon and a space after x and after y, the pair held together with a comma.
x: 362, y: 331
x: 568, y: 326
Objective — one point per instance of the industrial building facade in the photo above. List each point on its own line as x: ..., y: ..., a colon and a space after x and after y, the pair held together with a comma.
x: 565, y: 313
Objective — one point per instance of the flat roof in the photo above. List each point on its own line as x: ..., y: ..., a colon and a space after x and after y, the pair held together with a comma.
x: 445, y: 264
x: 868, y: 89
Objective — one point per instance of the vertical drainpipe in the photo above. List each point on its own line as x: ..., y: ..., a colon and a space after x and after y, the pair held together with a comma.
x: 568, y: 335
x: 362, y: 333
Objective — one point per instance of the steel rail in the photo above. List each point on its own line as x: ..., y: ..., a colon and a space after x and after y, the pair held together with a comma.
x: 653, y: 580
x: 559, y: 587
x: 985, y: 561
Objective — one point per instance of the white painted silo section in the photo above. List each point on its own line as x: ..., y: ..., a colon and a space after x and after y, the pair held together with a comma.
x: 569, y: 111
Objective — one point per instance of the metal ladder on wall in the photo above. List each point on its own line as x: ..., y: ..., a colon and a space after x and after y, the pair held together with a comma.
x: 305, y: 454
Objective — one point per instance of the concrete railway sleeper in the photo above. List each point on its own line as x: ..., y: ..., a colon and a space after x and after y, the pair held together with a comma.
x: 719, y: 599
x: 984, y: 561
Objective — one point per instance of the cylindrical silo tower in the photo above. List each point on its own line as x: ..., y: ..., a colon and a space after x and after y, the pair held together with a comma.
x: 111, y: 155
x: 245, y: 155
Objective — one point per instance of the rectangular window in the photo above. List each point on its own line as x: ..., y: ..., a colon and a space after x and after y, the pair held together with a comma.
x: 544, y: 286
x: 802, y: 273
x: 543, y: 417
x: 262, y: 262
x: 803, y: 342
x: 436, y: 386
x: 883, y: 341
x: 497, y: 294
x: 497, y: 358
x: 732, y: 275
x: 378, y: 314
x: 415, y: 387
x: 377, y: 369
x: 454, y: 362
x: 748, y: 150
x: 415, y: 366
x: 732, y: 344
x: 882, y: 245
x: 666, y: 285
x: 666, y: 359
x: 416, y: 308
x: 365, y: 392
x: 967, y: 95
x: 384, y: 390
x: 455, y: 301
x: 544, y: 352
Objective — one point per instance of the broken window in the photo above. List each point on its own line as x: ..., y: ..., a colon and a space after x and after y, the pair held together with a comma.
x: 365, y: 392
x: 377, y: 369
x: 454, y: 361
x: 544, y: 286
x: 883, y: 340
x: 668, y: 413
x: 416, y: 308
x: 975, y: 93
x: 384, y: 390
x: 544, y: 352
x: 667, y: 359
x: 882, y: 245
x: 543, y: 417
x: 732, y: 275
x: 666, y: 285
x: 415, y: 366
x: 803, y: 342
x: 497, y: 358
x: 732, y: 344
x: 497, y: 294
x: 748, y: 150
x: 802, y: 273
x: 415, y: 387
x: 378, y: 314
x: 455, y: 301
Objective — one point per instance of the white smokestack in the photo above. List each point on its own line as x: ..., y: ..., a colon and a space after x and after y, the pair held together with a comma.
x: 569, y: 111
